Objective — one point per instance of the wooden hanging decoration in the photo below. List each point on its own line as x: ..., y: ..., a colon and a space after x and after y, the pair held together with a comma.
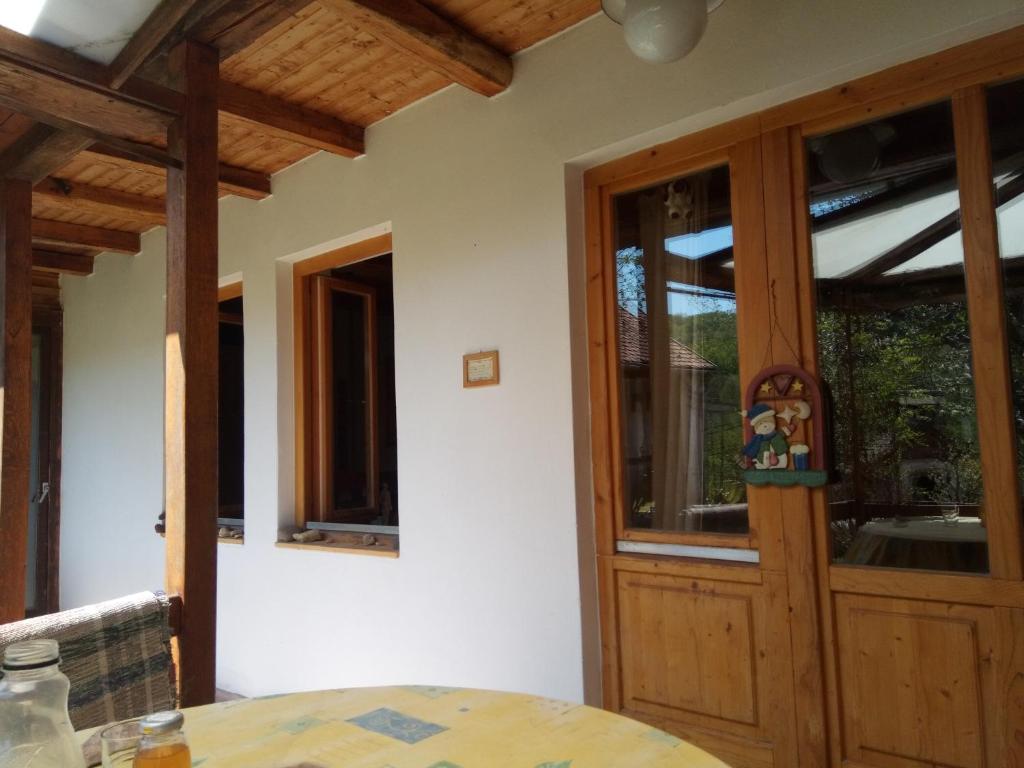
x: 784, y: 429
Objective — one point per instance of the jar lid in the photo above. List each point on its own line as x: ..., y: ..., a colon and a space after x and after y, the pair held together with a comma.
x: 161, y: 723
x: 31, y: 654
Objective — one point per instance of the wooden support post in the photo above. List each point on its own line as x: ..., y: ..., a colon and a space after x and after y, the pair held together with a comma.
x: 190, y: 457
x: 16, y: 392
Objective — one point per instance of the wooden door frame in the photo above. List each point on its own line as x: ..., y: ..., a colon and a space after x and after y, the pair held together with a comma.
x: 49, y: 321
x: 797, y: 542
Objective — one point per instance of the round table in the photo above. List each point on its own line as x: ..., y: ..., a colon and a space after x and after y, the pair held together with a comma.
x: 921, y: 542
x: 425, y: 727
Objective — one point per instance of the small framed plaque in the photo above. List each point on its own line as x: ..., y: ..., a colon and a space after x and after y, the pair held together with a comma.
x: 480, y: 369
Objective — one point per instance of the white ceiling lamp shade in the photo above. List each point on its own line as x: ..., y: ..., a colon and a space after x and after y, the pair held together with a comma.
x: 614, y: 10
x: 660, y: 31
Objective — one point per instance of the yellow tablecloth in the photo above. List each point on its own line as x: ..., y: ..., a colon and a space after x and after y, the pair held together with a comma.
x: 423, y: 727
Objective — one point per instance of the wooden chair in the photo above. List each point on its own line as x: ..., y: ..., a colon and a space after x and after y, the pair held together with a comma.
x: 117, y: 655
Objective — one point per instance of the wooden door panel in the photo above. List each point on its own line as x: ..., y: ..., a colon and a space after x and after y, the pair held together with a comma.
x: 689, y: 650
x: 917, y: 680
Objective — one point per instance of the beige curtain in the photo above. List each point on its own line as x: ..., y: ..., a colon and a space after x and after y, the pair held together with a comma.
x: 677, y: 384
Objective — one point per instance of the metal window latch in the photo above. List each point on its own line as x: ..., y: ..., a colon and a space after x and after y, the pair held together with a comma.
x: 40, y: 497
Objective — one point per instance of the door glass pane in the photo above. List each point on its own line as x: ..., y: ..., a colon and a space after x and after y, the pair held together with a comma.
x: 894, y: 345
x: 1006, y: 128
x: 677, y: 356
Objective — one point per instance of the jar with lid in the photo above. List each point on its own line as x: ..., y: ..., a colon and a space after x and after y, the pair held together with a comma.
x: 35, y: 730
x: 163, y: 744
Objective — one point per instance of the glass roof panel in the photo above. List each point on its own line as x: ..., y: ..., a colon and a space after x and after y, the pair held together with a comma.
x: 847, y: 246
x: 1010, y: 218
x: 95, y: 29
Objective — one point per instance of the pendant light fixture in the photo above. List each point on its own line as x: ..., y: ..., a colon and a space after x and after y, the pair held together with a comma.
x: 660, y: 31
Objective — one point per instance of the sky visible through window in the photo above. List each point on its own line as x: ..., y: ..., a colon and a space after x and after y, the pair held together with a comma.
x: 697, y: 245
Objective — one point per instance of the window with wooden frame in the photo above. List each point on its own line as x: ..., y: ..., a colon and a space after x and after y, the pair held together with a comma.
x: 346, y: 448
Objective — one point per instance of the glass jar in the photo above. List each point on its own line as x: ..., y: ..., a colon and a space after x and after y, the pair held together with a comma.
x: 163, y: 744
x: 35, y: 730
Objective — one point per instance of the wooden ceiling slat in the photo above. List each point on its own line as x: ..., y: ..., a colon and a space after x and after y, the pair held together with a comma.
x: 63, y: 233
x: 274, y: 57
x: 354, y: 55
x: 414, y: 28
x: 382, y: 91
x: 243, y: 144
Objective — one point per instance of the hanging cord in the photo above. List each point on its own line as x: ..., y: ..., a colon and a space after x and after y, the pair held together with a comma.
x: 773, y: 324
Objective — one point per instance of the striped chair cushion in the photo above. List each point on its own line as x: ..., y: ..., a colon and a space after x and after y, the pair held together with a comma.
x: 116, y: 654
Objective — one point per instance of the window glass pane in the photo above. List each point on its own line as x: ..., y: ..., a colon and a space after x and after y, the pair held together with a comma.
x: 351, y: 470
x: 677, y: 353
x: 1006, y: 128
x: 231, y: 411
x: 894, y: 344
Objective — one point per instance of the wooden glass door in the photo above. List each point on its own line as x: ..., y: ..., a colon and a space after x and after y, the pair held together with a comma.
x: 920, y: 533
x: 694, y: 595
x: 876, y: 240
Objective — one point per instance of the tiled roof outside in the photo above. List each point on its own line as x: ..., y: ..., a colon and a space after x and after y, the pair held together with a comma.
x: 633, y: 345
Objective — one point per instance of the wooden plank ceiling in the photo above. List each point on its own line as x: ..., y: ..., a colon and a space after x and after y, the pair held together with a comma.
x: 297, y: 77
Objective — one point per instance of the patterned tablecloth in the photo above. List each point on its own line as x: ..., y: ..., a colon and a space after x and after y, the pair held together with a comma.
x: 422, y: 727
x: 924, y: 542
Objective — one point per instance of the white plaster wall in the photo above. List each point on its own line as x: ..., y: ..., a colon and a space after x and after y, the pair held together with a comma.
x: 484, y: 200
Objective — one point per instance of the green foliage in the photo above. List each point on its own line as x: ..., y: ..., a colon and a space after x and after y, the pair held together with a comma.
x: 903, y: 392
x: 629, y: 279
x: 1015, y: 333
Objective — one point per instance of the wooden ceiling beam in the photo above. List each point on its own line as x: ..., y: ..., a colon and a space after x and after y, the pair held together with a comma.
x: 67, y: 105
x: 47, y: 232
x: 417, y: 30
x: 292, y: 122
x: 101, y: 201
x: 66, y: 91
x: 40, y: 150
x: 52, y: 143
x: 63, y: 263
x: 159, y: 26
x: 237, y: 24
x: 232, y: 179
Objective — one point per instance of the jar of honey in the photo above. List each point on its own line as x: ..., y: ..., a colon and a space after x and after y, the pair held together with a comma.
x: 163, y: 744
